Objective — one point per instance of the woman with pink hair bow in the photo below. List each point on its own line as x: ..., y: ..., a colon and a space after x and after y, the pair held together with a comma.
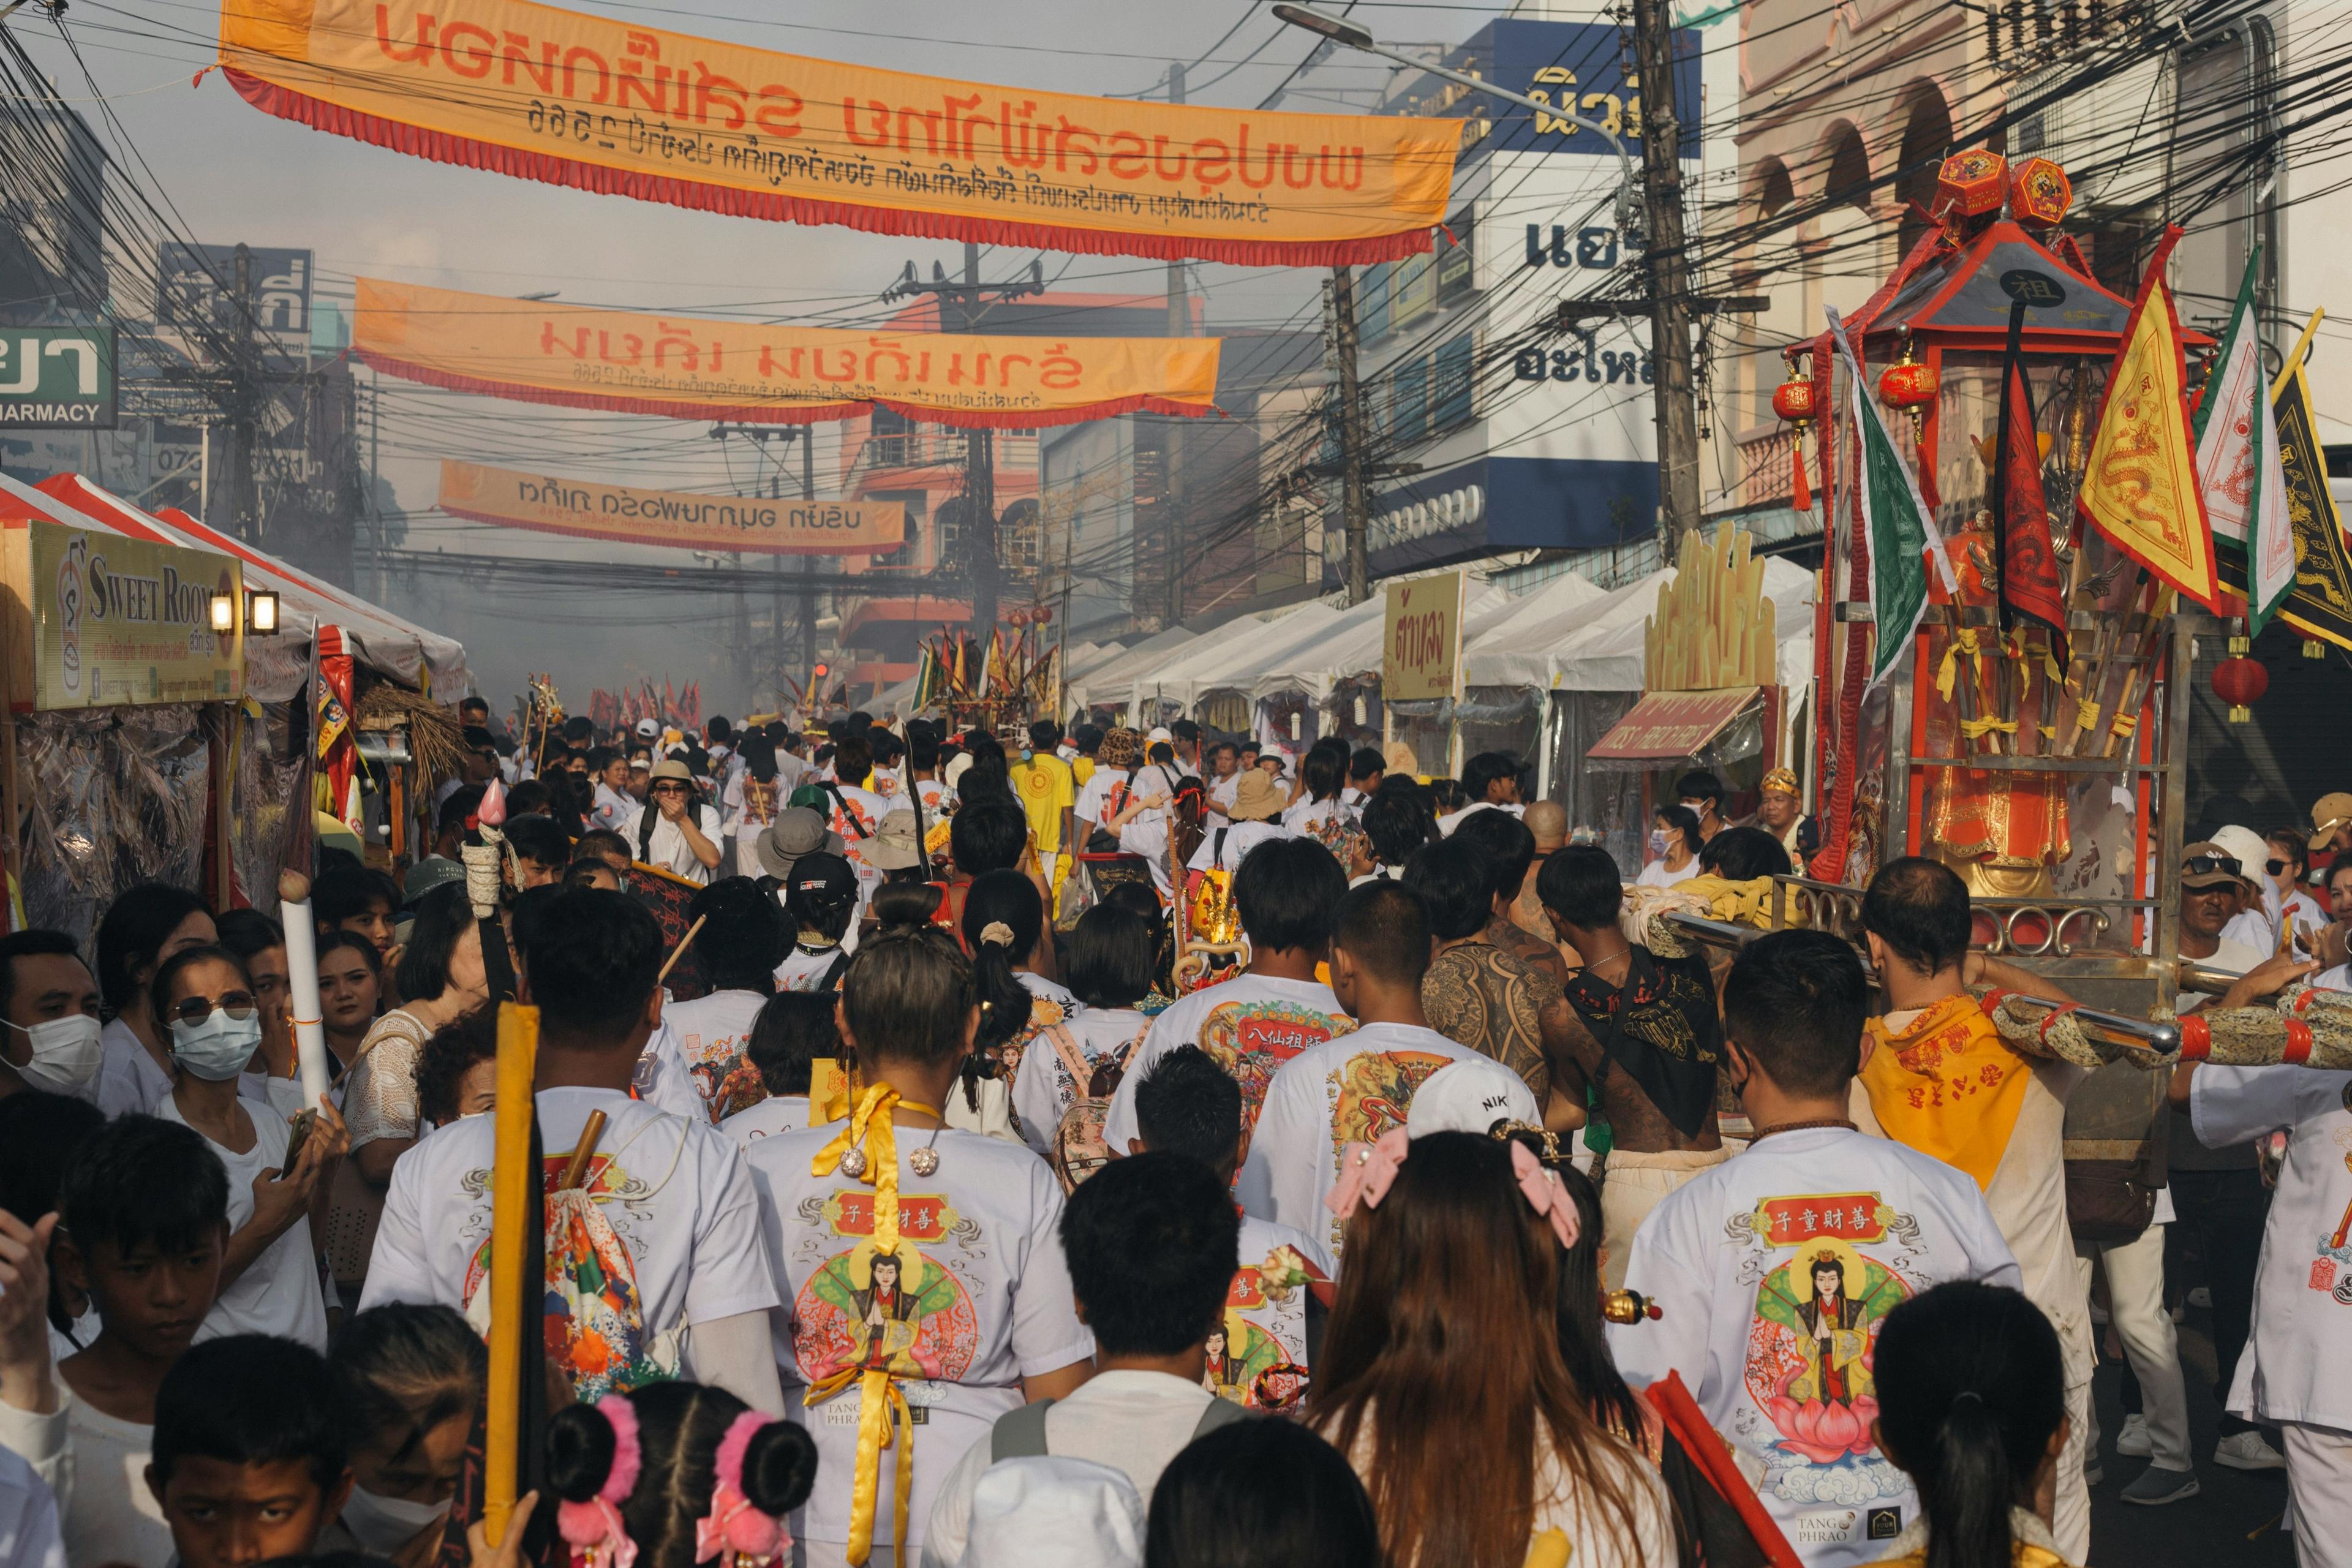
x: 1457, y: 1412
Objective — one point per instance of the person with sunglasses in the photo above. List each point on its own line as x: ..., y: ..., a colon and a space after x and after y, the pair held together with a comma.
x: 2212, y: 889
x: 269, y: 1278
x: 674, y: 829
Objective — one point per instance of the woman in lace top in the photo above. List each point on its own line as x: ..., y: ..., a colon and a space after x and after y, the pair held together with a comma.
x: 440, y: 972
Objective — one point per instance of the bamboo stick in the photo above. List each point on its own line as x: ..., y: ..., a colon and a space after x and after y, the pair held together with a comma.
x: 576, y: 1170
x: 678, y: 951
x: 510, y: 1228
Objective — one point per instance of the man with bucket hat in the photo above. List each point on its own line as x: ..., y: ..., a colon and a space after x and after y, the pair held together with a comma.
x: 676, y: 829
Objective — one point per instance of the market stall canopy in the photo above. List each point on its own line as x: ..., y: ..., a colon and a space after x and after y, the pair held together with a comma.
x: 1228, y: 659
x: 1106, y: 683
x: 1515, y: 648
x: 275, y: 667
x: 1669, y: 727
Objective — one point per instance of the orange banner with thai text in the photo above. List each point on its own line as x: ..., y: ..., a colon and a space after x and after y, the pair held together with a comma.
x: 585, y: 101
x: 625, y: 515
x: 631, y: 362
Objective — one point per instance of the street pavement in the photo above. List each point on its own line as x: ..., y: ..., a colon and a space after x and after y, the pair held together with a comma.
x: 2234, y: 1519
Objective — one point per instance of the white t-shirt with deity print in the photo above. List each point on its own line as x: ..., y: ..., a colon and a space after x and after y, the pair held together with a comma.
x: 1351, y: 1090
x: 674, y: 1238
x: 1251, y: 1024
x: 702, y: 1040
x: 1777, y: 1268
x: 1042, y: 1089
x: 982, y: 1300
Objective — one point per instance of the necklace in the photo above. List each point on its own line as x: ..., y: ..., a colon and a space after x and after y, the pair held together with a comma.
x: 925, y: 1162
x: 1761, y: 1133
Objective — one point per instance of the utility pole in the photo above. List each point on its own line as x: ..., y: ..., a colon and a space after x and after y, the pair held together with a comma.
x: 1670, y: 293
x: 1180, y: 325
x: 375, y: 516
x: 1354, y: 509
x: 243, y: 424
x: 979, y: 495
x: 808, y: 569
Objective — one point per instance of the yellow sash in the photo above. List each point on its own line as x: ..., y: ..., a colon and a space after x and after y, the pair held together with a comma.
x: 1948, y: 1085
x: 883, y: 1417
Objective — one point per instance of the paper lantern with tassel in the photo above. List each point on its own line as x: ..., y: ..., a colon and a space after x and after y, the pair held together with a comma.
x: 2240, y: 681
x: 1793, y: 401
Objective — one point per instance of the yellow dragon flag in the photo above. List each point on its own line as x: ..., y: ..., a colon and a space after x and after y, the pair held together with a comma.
x: 604, y: 104
x: 2139, y: 483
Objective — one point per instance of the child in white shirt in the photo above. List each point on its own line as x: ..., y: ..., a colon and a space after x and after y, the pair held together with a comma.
x: 1259, y: 1359
x: 144, y: 1215
x: 792, y: 1032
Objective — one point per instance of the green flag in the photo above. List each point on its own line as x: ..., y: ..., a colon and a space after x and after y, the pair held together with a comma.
x: 1895, y: 520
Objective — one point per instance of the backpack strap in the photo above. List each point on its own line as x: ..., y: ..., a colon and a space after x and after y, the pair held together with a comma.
x: 1074, y: 1060
x: 1221, y: 1411
x: 1021, y: 1434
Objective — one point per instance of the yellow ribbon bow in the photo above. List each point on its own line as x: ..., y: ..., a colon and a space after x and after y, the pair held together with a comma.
x: 883, y: 1418
x: 1964, y: 641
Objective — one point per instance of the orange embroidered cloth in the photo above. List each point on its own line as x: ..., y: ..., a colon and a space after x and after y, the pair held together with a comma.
x: 1947, y: 1084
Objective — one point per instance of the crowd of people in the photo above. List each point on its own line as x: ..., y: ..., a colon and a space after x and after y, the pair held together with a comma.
x: 1452, y: 1215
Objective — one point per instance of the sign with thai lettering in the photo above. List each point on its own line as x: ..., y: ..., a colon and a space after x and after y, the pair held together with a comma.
x: 600, y: 104
x: 631, y: 362
x: 1420, y: 655
x: 196, y: 285
x: 586, y: 510
x: 120, y: 622
x: 1668, y: 726
x: 57, y: 378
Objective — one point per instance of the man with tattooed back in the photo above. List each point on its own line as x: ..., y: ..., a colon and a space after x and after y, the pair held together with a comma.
x: 1647, y: 1034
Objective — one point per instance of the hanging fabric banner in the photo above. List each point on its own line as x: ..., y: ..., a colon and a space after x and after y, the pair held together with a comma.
x: 588, y: 101
x: 586, y: 510
x: 630, y: 362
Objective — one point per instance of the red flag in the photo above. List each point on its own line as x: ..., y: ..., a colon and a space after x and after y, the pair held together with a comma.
x: 2029, y: 563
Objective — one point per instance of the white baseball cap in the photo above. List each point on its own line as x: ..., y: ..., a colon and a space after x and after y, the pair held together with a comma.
x: 1158, y: 733
x: 2248, y: 846
x: 1470, y: 1097
x: 647, y: 729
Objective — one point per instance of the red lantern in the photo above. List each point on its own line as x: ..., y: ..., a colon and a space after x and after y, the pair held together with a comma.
x: 1908, y: 384
x: 1792, y: 400
x: 2240, y: 682
x: 1042, y: 614
x: 2040, y: 194
x: 1969, y: 184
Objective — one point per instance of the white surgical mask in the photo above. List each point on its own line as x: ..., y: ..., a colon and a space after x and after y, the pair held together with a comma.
x: 216, y: 1049
x: 384, y: 1524
x: 66, y: 1053
x: 1658, y: 841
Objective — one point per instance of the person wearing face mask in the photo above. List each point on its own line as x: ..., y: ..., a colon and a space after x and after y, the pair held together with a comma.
x: 269, y: 1279
x: 143, y: 926
x: 49, y: 1006
x: 416, y: 1374
x: 1675, y: 844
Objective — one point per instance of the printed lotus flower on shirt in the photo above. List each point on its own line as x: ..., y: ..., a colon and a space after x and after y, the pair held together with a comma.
x: 1811, y: 1342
